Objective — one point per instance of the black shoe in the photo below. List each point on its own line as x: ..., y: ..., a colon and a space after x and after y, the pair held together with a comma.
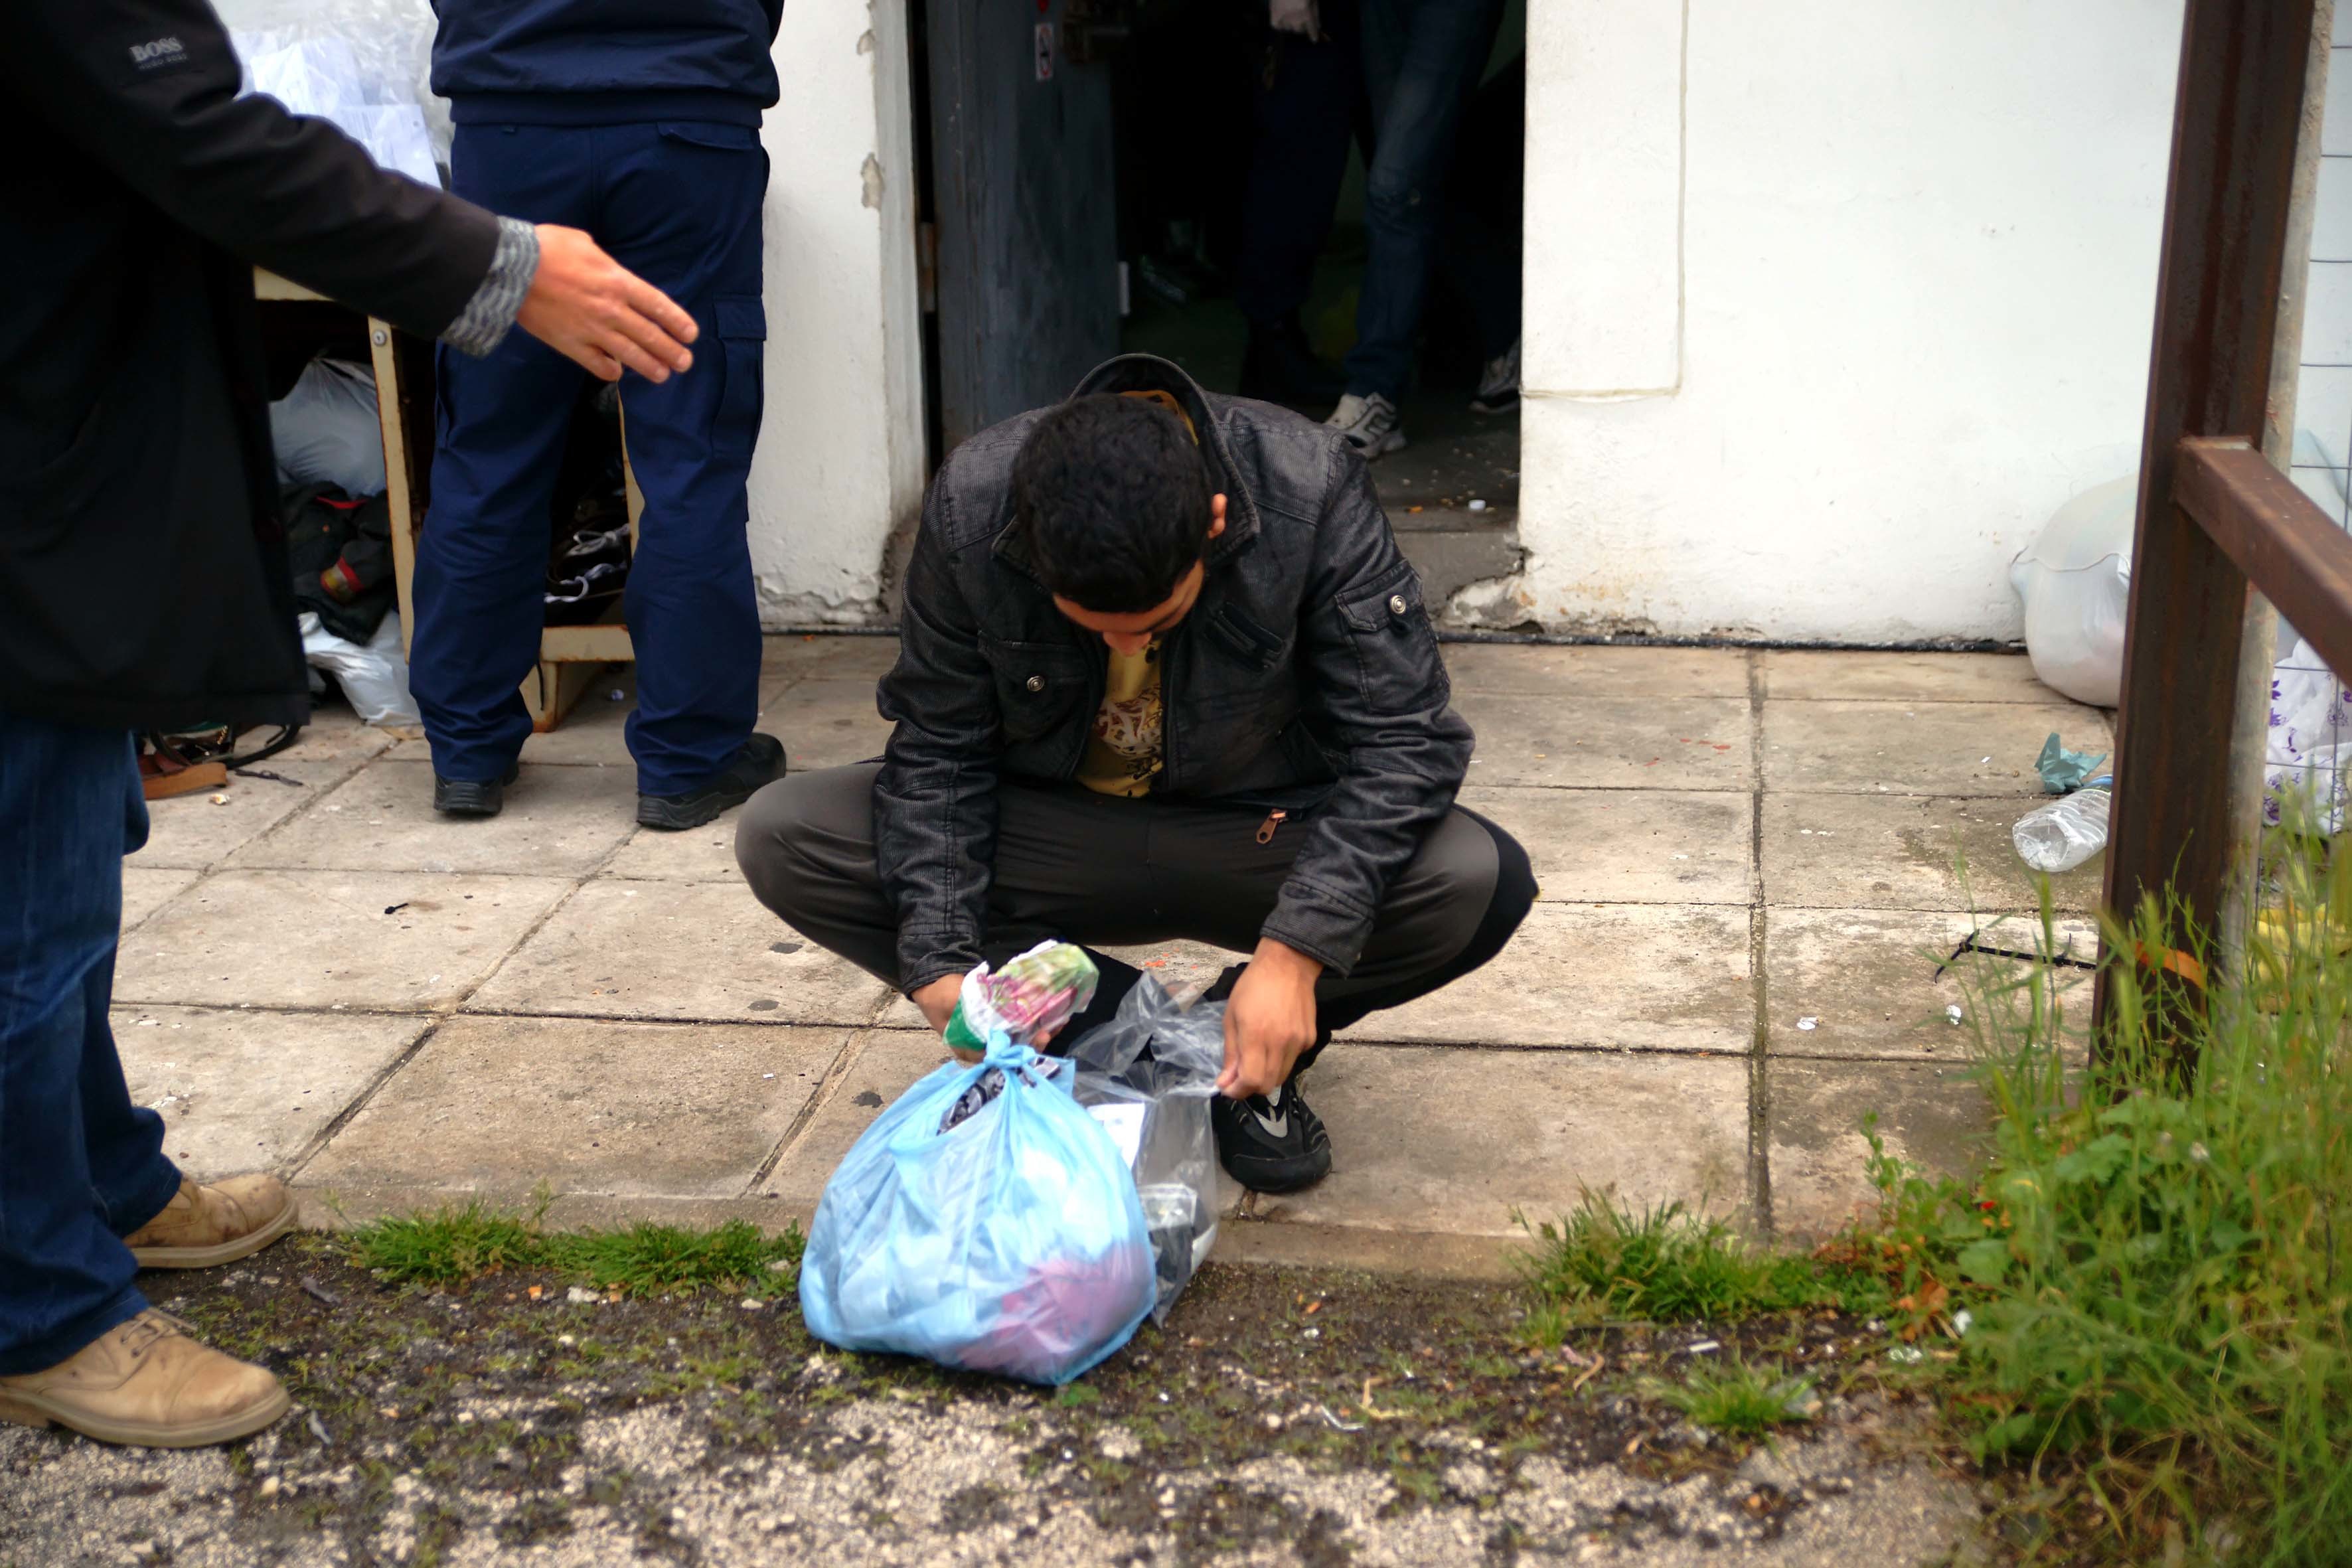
x: 471, y: 797
x: 1281, y: 368
x: 758, y: 761
x: 1270, y: 1142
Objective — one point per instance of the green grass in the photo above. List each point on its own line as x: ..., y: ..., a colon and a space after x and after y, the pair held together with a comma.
x: 1742, y: 1400
x: 2148, y: 1288
x: 1604, y: 1263
x: 2157, y: 1288
x: 456, y: 1243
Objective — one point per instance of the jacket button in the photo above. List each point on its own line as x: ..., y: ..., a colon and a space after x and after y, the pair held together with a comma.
x: 1396, y: 604
x: 1036, y: 683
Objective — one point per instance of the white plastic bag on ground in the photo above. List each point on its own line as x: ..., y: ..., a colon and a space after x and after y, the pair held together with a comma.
x: 374, y: 677
x: 2075, y: 579
x: 326, y: 431
x: 2310, y: 740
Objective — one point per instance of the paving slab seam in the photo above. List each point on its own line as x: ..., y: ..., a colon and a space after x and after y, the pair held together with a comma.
x: 313, y: 796
x: 1760, y: 1083
x: 317, y: 1142
x: 763, y: 1021
x: 1519, y: 1049
x: 835, y: 1075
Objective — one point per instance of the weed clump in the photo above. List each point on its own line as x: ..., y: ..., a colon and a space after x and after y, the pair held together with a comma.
x: 456, y: 1243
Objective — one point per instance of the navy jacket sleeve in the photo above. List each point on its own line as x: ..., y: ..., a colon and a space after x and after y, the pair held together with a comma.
x: 148, y: 88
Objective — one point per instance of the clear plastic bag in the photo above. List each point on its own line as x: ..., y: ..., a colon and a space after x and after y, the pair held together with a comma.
x: 363, y: 64
x: 2062, y: 834
x: 1147, y: 1076
x: 1012, y: 1241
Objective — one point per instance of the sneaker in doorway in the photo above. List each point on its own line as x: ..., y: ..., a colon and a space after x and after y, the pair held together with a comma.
x: 1270, y: 1142
x: 1498, y: 388
x: 758, y: 761
x: 1370, y: 424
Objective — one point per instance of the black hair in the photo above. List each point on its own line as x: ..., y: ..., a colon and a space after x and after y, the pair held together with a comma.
x: 1114, y: 497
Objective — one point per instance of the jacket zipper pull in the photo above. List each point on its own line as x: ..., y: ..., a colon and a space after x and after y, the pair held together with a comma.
x: 1274, y: 819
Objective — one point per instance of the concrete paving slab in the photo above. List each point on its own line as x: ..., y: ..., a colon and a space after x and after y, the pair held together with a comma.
x: 1890, y: 851
x: 1622, y: 846
x: 1453, y: 1142
x: 500, y: 1105
x: 335, y: 734
x: 146, y: 889
x: 790, y: 658
x: 558, y: 821
x: 1591, y: 672
x: 1920, y: 748
x: 1660, y: 977
x: 705, y: 854
x: 678, y: 950
x: 1913, y: 678
x: 189, y: 832
x: 824, y: 722
x: 1935, y: 1117
x: 246, y: 1090
x: 1866, y: 978
x: 1614, y: 743
x: 595, y: 730
x: 884, y: 1062
x: 322, y: 939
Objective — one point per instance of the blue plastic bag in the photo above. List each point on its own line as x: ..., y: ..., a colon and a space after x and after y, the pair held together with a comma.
x: 1011, y: 1242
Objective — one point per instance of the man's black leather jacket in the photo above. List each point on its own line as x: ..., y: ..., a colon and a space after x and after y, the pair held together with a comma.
x: 1307, y: 677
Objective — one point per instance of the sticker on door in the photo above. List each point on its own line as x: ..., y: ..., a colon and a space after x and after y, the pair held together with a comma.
x: 1045, y: 51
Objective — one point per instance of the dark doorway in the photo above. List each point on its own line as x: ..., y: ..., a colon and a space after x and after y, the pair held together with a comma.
x: 1091, y: 190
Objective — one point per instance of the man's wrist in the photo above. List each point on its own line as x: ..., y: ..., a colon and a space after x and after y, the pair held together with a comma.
x: 1286, y: 962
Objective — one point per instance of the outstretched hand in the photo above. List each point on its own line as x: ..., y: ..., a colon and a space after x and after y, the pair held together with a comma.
x: 589, y: 308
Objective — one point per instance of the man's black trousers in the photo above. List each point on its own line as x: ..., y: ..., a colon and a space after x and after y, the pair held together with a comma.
x: 1102, y: 872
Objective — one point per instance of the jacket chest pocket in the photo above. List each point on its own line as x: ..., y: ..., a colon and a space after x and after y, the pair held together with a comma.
x: 1238, y: 655
x: 1040, y: 687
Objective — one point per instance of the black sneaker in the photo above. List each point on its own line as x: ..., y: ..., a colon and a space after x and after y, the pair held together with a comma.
x: 1270, y: 1142
x: 472, y: 798
x: 760, y: 761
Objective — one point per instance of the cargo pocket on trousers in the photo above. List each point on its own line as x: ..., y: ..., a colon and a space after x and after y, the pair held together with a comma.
x: 742, y: 323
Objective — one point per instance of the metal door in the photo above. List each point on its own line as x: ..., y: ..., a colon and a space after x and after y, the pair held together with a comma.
x: 1022, y: 197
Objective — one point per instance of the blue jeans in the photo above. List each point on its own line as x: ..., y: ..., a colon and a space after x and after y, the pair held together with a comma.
x: 80, y: 1167
x: 1422, y: 59
x: 678, y: 204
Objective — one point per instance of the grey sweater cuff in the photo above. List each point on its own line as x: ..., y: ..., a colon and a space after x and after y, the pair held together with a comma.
x: 487, y: 316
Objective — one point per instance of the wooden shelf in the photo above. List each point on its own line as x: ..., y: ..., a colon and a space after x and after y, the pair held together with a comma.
x: 569, y: 655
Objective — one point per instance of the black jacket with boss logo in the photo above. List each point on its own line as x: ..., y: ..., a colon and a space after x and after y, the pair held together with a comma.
x: 1307, y: 678
x: 143, y: 579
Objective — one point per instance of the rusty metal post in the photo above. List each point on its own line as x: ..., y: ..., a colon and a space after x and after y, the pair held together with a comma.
x: 2237, y: 118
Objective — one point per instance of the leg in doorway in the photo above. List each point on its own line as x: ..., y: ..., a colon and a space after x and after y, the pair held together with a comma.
x: 1422, y: 61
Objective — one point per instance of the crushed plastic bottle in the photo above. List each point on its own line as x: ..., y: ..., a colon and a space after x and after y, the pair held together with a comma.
x: 2061, y: 834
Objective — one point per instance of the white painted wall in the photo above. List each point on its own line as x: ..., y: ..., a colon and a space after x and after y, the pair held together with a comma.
x: 1830, y: 303
x: 840, y: 460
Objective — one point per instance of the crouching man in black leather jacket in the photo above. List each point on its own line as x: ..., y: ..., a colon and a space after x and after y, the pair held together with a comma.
x: 1164, y: 675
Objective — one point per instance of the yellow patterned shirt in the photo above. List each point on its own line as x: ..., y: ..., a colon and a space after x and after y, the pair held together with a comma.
x: 1123, y: 752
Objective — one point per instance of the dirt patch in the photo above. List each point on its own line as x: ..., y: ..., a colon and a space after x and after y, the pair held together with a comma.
x: 1282, y: 1418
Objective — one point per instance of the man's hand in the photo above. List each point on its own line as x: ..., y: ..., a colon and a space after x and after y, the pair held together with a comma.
x: 938, y: 1001
x: 1270, y: 1019
x: 588, y: 307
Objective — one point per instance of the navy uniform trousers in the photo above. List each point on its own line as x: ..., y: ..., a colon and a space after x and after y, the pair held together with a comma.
x: 677, y: 204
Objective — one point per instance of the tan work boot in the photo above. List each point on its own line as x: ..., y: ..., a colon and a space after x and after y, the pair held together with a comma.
x: 146, y: 1384
x: 217, y: 1224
